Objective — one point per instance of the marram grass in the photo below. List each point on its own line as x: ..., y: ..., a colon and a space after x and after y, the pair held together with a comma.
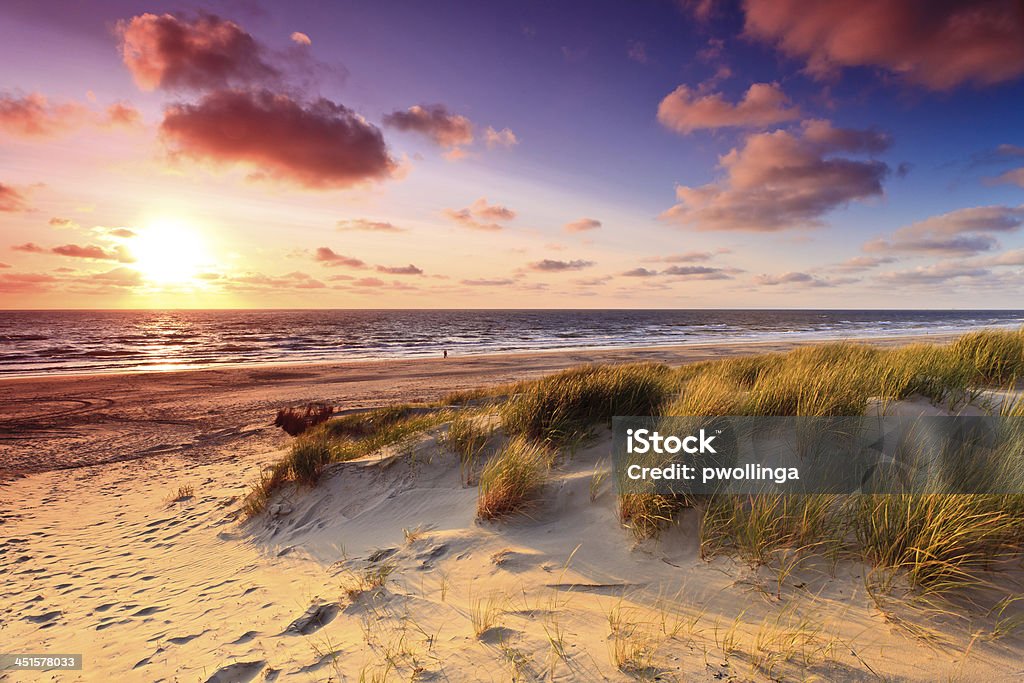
x: 938, y: 542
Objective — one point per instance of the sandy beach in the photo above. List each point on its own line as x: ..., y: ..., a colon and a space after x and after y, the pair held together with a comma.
x: 56, y: 422
x: 125, y: 542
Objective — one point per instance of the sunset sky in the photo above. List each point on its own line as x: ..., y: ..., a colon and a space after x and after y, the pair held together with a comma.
x: 644, y: 154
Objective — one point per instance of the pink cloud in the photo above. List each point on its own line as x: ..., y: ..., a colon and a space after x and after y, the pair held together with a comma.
x: 434, y: 121
x: 936, y: 45
x: 11, y: 200
x: 552, y: 266
x: 962, y: 232
x: 781, y: 180
x: 1012, y: 177
x: 259, y: 281
x: 500, y: 138
x: 205, y: 52
x: 329, y: 257
x: 685, y: 110
x: 29, y: 248
x: 366, y: 225
x: 318, y: 146
x: 481, y: 215
x: 35, y: 116
x: 119, y: 277
x: 93, y: 251
x: 400, y: 270
x: 300, y: 38
x: 24, y: 283
x: 582, y: 225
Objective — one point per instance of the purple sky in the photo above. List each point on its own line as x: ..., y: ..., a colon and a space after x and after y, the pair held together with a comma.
x: 851, y: 154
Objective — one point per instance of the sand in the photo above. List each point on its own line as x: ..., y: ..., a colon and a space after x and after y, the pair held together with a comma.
x: 59, y: 422
x: 145, y: 565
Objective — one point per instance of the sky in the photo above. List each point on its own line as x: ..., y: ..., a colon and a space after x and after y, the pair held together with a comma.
x: 598, y: 154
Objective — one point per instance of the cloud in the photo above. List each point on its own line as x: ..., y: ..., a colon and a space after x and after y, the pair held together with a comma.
x: 11, y: 200
x: 687, y: 257
x: 697, y: 273
x: 481, y: 215
x: 35, y: 116
x: 400, y: 270
x: 582, y: 225
x: 119, y: 277
x: 973, y: 219
x: 122, y: 114
x: 318, y: 146
x: 301, y: 38
x: 435, y: 122
x: 782, y: 180
x: 962, y: 245
x: 258, y: 281
x: 640, y: 272
x: 1013, y: 257
x: 367, y: 225
x: 497, y: 282
x: 552, y: 266
x: 5, y: 265
x: 685, y: 110
x: 25, y: 283
x: 937, y: 273
x: 800, y: 279
x: 201, y: 53
x: 637, y: 51
x: 121, y: 232
x: 94, y: 252
x: 860, y: 263
x: 500, y: 138
x: 29, y: 248
x: 369, y: 282
x: 1012, y: 177
x: 331, y: 258
x: 56, y: 222
x: 935, y: 45
x: 962, y: 232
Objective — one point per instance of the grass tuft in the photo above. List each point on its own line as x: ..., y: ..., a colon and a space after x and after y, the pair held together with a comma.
x: 513, y: 478
x: 564, y: 407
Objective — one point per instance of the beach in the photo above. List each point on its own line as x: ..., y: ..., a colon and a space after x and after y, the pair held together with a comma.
x: 125, y: 541
x: 60, y: 421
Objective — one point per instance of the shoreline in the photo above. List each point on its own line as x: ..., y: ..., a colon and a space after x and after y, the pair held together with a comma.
x: 792, y: 342
x: 58, y: 422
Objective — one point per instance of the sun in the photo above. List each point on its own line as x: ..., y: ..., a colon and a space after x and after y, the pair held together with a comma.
x: 169, y: 251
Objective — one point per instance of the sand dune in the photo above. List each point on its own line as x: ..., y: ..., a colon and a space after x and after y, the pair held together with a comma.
x: 383, y: 571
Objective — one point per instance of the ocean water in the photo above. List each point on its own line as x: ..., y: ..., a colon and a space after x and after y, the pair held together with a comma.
x: 46, y: 342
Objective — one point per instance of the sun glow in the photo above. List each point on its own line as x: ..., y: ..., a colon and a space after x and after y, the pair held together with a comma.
x: 169, y: 252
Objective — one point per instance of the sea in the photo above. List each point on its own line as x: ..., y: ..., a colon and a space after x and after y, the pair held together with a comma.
x: 55, y: 342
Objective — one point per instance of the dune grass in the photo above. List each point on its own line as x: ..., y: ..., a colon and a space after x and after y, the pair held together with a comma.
x: 564, y: 407
x: 938, y: 542
x: 468, y: 436
x: 513, y: 478
x: 339, y: 440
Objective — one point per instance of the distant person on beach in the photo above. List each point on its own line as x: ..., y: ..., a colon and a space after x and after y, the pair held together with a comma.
x: 446, y: 353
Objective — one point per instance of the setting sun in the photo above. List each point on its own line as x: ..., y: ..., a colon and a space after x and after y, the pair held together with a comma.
x: 169, y: 251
